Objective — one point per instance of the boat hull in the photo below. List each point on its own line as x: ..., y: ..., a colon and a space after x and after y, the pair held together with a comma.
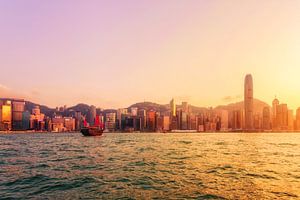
x: 91, y: 131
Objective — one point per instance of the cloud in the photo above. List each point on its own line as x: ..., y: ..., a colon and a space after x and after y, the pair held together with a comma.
x: 35, y: 93
x: 6, y: 92
x: 3, y: 87
x: 232, y: 98
x: 182, y: 98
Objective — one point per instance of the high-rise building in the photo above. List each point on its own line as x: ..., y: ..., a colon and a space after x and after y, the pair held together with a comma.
x: 290, y: 120
x: 166, y: 123
x: 18, y: 107
x: 26, y: 120
x: 282, y: 117
x: 137, y: 123
x: 248, y: 102
x: 218, y: 123
x: 185, y: 107
x: 1, y: 115
x: 78, y: 120
x: 110, y: 121
x: 121, y: 116
x: 179, y: 119
x: 134, y: 111
x: 223, y: 114
x: 57, y: 124
x: 184, y: 121
x: 36, y: 110
x: 173, y: 123
x: 151, y: 121
x: 266, y: 118
x: 257, y: 121
x: 37, y: 119
x: 298, y: 119
x: 159, y: 122
x: 69, y: 123
x: 143, y: 119
x: 92, y: 115
x: 48, y: 124
x: 275, y: 104
x: 237, y: 120
x: 6, y: 115
x: 128, y: 124
x: 200, y: 122
x: 193, y: 122
x: 173, y: 108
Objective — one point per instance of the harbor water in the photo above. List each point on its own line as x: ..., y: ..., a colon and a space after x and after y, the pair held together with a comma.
x: 150, y: 166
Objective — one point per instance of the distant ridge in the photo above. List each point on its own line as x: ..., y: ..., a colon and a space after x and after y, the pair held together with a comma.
x: 150, y: 106
x: 84, y: 108
x: 257, y: 104
x: 30, y: 105
x: 81, y: 107
x: 44, y: 109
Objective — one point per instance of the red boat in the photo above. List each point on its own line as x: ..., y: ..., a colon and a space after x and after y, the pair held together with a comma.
x: 96, y: 130
x: 92, y: 131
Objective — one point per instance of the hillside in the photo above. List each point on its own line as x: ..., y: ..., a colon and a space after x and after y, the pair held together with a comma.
x: 84, y: 108
x: 150, y: 106
x: 257, y: 104
x: 44, y: 109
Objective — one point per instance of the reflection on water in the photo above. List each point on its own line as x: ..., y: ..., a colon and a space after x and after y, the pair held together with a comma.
x: 148, y: 166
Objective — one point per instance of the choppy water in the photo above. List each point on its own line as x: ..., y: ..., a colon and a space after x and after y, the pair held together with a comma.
x: 150, y: 166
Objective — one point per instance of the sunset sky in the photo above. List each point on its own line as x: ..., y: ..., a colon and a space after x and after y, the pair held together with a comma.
x: 115, y: 53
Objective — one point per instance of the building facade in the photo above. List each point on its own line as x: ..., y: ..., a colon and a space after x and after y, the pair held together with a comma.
x: 248, y: 102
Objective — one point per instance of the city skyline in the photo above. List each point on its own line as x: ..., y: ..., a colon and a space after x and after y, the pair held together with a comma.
x: 149, y: 99
x: 227, y: 100
x: 248, y: 116
x: 113, y: 54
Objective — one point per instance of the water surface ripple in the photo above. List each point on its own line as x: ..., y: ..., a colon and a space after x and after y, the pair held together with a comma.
x: 150, y: 166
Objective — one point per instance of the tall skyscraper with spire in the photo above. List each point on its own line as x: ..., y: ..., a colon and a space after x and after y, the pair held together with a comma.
x: 248, y: 102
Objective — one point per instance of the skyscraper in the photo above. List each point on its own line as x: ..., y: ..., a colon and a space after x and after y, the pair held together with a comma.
x: 166, y: 123
x: 173, y: 117
x: 92, y: 115
x: 110, y: 121
x: 78, y: 120
x: 290, y: 120
x: 266, y: 118
x: 151, y: 115
x: 298, y: 119
x: 18, y: 107
x: 134, y: 111
x: 237, y: 120
x: 282, y: 117
x: 6, y: 116
x: 275, y: 104
x: 143, y: 119
x: 248, y: 102
x: 121, y: 116
x: 223, y: 114
x: 173, y: 108
x: 185, y: 107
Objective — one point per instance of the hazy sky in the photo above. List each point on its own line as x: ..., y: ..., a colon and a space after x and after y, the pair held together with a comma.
x: 115, y: 53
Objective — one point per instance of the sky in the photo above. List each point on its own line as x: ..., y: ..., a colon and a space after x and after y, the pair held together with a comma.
x: 118, y: 52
